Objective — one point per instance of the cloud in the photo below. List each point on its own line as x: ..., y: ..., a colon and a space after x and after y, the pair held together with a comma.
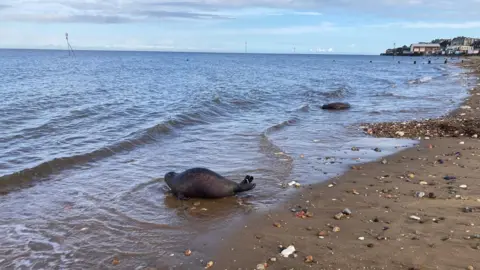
x: 123, y: 11
x: 429, y: 25
x: 290, y: 30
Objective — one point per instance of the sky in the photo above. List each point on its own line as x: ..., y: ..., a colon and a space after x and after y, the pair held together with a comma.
x: 268, y: 26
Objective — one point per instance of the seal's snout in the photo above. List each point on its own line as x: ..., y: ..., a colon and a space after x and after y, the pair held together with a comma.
x: 169, y: 176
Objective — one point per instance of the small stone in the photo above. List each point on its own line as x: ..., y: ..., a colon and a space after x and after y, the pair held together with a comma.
x: 196, y: 203
x: 415, y: 217
x: 188, y: 252
x: 420, y: 194
x: 411, y: 175
x: 309, y: 259
x: 423, y: 183
x: 384, y: 161
x: 463, y: 186
x: 277, y: 225
x: 400, y: 133
x: 209, y: 264
x: 370, y: 245
x: 322, y: 233
x: 468, y: 210
x: 347, y: 211
x: 355, y: 192
x: 330, y: 185
x: 260, y: 266
x: 470, y: 268
x: 115, y: 261
x: 288, y: 251
x: 377, y: 150
x: 475, y: 136
x: 338, y: 216
x: 462, y: 142
x: 336, y: 229
x: 432, y: 195
x: 273, y: 259
x: 361, y: 238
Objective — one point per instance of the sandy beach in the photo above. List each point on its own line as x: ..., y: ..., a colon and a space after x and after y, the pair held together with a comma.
x: 417, y: 209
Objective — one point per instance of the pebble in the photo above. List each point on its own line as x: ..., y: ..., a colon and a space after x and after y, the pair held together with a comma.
x: 370, y: 245
x: 338, y: 216
x: 420, y: 194
x: 309, y: 259
x: 462, y: 142
x: 415, y: 217
x: 273, y: 259
x: 288, y: 251
x: 347, y: 211
x: 330, y: 185
x: 384, y: 161
x: 475, y: 136
x: 423, y: 183
x: 188, y: 252
x: 463, y: 186
x: 361, y: 238
x: 470, y: 268
x: 336, y: 229
x: 260, y: 266
x: 209, y: 264
x: 400, y: 133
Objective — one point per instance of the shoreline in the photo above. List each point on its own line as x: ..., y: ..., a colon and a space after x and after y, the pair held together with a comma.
x: 405, y: 215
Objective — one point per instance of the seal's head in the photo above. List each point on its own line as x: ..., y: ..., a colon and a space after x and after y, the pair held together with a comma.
x: 168, y: 177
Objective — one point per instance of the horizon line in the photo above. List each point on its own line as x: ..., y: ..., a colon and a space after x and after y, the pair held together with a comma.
x: 183, y: 51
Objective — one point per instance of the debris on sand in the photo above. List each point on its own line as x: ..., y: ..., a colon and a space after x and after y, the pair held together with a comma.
x: 288, y: 251
x: 441, y: 127
x: 209, y: 264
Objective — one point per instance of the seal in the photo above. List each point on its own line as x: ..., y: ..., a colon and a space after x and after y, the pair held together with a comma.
x: 336, y: 106
x: 204, y: 183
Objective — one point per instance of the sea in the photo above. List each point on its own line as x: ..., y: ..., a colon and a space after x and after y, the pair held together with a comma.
x: 86, y: 139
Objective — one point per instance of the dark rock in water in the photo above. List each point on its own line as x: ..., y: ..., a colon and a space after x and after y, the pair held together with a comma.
x: 336, y: 106
x: 39, y: 246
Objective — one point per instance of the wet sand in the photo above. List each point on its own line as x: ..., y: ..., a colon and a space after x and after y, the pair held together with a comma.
x: 417, y: 209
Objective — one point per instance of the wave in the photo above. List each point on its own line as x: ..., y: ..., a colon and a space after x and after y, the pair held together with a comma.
x: 280, y: 126
x: 392, y: 94
x: 27, y: 177
x: 302, y: 108
x: 421, y: 80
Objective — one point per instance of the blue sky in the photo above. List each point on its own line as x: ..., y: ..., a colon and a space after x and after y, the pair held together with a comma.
x: 277, y: 26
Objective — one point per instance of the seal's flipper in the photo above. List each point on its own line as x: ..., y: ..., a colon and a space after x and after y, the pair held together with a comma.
x: 242, y: 187
x: 248, y: 179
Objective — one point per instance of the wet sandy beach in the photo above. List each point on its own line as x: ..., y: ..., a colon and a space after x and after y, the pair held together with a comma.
x: 417, y: 209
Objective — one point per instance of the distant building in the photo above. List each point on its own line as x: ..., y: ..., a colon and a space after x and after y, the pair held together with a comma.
x: 462, y: 49
x: 425, y: 48
x: 463, y: 41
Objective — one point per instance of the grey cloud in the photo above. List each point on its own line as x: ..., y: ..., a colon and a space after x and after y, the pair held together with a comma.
x: 124, y: 11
